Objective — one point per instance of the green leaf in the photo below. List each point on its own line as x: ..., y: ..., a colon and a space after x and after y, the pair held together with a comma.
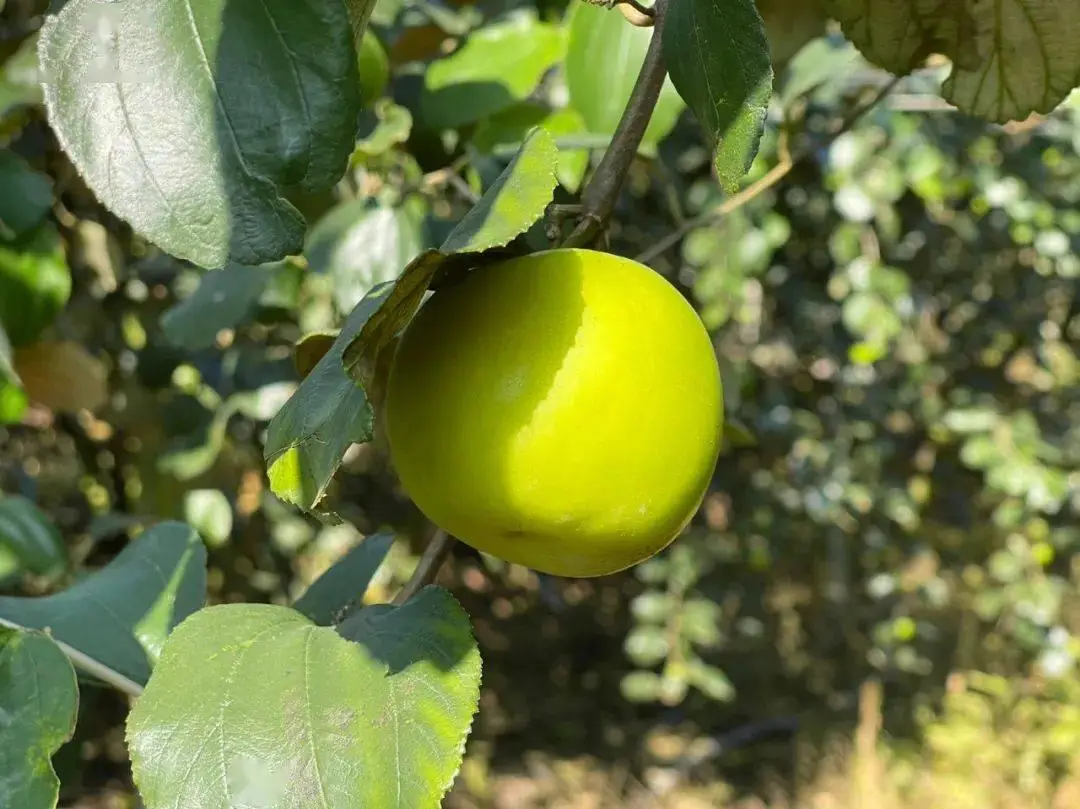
x: 375, y: 716
x: 499, y: 65
x: 510, y: 127
x: 39, y: 702
x: 790, y: 25
x: 30, y: 536
x: 514, y: 202
x: 19, y: 78
x: 307, y: 439
x: 361, y: 244
x: 190, y: 120
x: 718, y: 57
x: 27, y: 196
x: 223, y: 300
x: 603, y: 59
x: 34, y: 284
x: 210, y: 513
x: 1010, y: 57
x: 311, y: 348
x: 120, y: 615
x: 381, y: 129
x: 373, y: 66
x: 346, y: 580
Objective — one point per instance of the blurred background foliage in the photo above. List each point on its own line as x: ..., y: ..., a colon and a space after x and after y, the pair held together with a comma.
x: 876, y: 606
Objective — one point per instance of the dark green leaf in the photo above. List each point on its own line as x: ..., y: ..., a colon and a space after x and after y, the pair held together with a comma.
x: 375, y: 716
x: 26, y: 199
x: 499, y: 65
x: 39, y: 701
x: 223, y: 300
x: 34, y: 284
x: 718, y: 57
x: 30, y: 536
x: 346, y: 580
x: 311, y: 348
x: 190, y: 120
x: 603, y: 60
x: 121, y: 614
x: 362, y: 243
x: 307, y: 439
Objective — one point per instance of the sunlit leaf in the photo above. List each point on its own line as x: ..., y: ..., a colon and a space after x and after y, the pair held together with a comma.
x: 190, y: 120
x: 39, y: 700
x: 718, y: 57
x: 373, y: 714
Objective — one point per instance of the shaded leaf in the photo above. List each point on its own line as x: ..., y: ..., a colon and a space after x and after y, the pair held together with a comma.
x: 499, y: 65
x: 718, y: 57
x: 30, y: 536
x: 223, y: 300
x: 409, y: 674
x: 603, y: 59
x: 362, y: 243
x: 1010, y: 57
x: 39, y: 701
x: 790, y: 25
x: 307, y: 439
x: 19, y: 78
x: 63, y: 376
x: 311, y: 348
x: 190, y: 120
x: 120, y: 615
x: 346, y: 580
x: 34, y: 284
x: 27, y: 196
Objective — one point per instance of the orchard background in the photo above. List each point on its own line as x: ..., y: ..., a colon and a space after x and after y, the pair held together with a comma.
x: 876, y: 606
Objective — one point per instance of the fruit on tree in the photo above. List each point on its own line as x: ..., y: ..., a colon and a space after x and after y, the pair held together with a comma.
x: 561, y: 411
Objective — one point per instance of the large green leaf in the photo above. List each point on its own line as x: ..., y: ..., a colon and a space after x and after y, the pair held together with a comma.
x: 1010, y: 57
x: 514, y: 202
x: 190, y: 120
x: 362, y: 243
x: 718, y: 57
x: 499, y: 65
x: 603, y: 60
x: 34, y: 284
x: 39, y: 701
x: 346, y: 580
x: 223, y: 299
x: 121, y: 614
x: 308, y: 437
x: 374, y: 716
x: 26, y: 199
x: 29, y: 536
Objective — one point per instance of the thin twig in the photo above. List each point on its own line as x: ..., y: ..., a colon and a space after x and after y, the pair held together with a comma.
x: 430, y: 561
x: 599, y: 198
x: 636, y: 14
x: 759, y: 186
x: 89, y: 665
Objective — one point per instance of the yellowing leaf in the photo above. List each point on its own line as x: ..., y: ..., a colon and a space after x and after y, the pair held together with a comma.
x: 62, y: 376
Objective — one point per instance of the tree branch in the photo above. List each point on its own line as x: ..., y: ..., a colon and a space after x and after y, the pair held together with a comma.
x: 785, y: 164
x: 599, y: 198
x: 89, y: 665
x: 430, y: 561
